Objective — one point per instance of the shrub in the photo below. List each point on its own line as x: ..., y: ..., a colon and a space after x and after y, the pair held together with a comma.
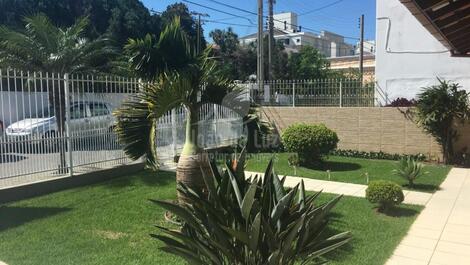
x: 375, y: 155
x: 438, y: 108
x: 409, y: 169
x: 402, y: 102
x: 249, y: 221
x: 310, y: 142
x: 385, y: 193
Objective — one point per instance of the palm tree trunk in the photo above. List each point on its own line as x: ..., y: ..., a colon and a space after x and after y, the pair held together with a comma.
x: 188, y: 170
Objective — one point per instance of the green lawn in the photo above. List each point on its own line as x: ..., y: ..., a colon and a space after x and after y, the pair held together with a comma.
x: 109, y: 223
x: 352, y: 170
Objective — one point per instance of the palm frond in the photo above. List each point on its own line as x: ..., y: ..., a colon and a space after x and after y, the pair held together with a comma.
x: 137, y: 118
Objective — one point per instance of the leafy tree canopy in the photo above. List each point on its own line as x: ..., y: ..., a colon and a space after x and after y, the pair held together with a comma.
x: 120, y: 19
x: 308, y: 63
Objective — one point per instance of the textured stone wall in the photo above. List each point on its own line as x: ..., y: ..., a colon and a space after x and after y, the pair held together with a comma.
x: 368, y: 129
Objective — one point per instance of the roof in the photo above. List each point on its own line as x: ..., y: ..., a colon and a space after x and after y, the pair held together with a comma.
x: 447, y: 20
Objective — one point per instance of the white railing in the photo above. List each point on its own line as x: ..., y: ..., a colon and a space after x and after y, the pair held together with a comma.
x: 313, y: 93
x: 33, y: 146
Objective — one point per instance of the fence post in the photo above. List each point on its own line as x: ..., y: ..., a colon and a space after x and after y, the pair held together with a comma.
x: 67, y: 122
x: 293, y: 94
x: 174, y: 133
x: 340, y: 93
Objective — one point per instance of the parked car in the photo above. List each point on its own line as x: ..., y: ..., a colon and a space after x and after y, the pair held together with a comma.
x: 85, y: 117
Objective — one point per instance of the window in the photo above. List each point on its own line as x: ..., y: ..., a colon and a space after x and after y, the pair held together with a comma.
x: 98, y: 109
x: 78, y: 111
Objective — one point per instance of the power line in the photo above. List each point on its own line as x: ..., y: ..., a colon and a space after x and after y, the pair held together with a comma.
x: 253, y: 13
x: 230, y: 24
x: 234, y: 7
x: 320, y: 8
x: 217, y: 10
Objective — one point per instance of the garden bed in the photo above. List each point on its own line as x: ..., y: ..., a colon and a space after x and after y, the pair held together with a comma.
x: 110, y: 223
x: 352, y: 170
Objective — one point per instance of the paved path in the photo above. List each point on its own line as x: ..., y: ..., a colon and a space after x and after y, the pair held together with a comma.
x: 441, y: 233
x: 356, y: 190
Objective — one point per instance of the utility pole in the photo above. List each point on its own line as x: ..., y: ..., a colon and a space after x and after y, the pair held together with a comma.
x: 199, y: 29
x: 271, y: 39
x: 361, y: 59
x: 260, y: 73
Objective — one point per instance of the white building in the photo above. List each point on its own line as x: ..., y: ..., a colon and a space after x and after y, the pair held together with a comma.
x: 409, y: 57
x: 287, y: 31
x: 369, y: 47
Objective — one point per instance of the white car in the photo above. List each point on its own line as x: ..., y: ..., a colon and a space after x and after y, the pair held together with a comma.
x: 85, y: 116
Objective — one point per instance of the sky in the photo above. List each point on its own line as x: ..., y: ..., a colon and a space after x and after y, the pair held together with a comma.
x: 339, y: 16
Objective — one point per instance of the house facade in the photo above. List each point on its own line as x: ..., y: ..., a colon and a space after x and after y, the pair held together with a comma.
x: 409, y: 57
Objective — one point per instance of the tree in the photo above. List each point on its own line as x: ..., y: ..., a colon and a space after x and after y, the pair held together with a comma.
x: 226, y: 40
x: 119, y: 19
x: 438, y: 108
x: 45, y: 47
x: 177, y: 74
x: 188, y: 24
x: 308, y: 63
x: 280, y: 60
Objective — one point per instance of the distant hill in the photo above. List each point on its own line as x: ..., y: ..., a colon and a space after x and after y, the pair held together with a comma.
x: 120, y: 19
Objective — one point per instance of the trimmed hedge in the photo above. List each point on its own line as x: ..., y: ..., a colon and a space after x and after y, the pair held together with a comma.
x: 376, y: 155
x: 386, y: 194
x: 310, y: 142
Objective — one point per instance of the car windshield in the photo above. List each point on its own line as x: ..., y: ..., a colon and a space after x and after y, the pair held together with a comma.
x: 44, y: 113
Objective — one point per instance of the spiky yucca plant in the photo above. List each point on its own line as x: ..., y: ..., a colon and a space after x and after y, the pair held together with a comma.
x: 250, y: 221
x: 409, y: 169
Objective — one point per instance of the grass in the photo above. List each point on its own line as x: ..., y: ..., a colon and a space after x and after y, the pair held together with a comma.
x: 110, y: 223
x: 353, y: 170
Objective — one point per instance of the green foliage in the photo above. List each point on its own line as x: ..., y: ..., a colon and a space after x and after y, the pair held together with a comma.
x: 250, y: 221
x: 438, y: 108
x: 386, y: 194
x: 409, y: 169
x: 45, y: 47
x: 310, y: 142
x: 117, y: 19
x: 171, y: 51
x: 176, y: 82
x: 188, y: 24
x: 308, y: 63
x: 375, y: 155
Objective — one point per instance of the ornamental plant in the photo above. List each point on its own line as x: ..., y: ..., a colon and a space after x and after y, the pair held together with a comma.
x: 409, y: 169
x: 310, y: 142
x: 386, y: 194
x: 250, y: 221
x: 438, y: 108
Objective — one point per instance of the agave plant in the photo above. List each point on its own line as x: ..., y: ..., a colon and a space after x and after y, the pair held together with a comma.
x: 249, y: 221
x: 409, y: 169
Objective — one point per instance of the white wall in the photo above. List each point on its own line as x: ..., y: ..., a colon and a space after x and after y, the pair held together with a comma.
x: 414, y: 58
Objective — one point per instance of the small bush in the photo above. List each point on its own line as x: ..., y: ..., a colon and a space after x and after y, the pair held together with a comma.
x: 385, y: 193
x: 409, y: 169
x: 402, y: 102
x: 310, y: 142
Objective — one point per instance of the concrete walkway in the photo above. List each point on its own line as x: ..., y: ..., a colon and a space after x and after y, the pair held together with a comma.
x: 348, y: 189
x: 441, y: 233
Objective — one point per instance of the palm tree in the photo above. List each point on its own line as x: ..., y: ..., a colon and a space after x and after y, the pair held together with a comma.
x: 178, y: 75
x: 44, y: 47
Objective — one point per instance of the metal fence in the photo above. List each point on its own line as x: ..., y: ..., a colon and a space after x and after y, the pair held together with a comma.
x: 58, y: 125
x: 314, y: 93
